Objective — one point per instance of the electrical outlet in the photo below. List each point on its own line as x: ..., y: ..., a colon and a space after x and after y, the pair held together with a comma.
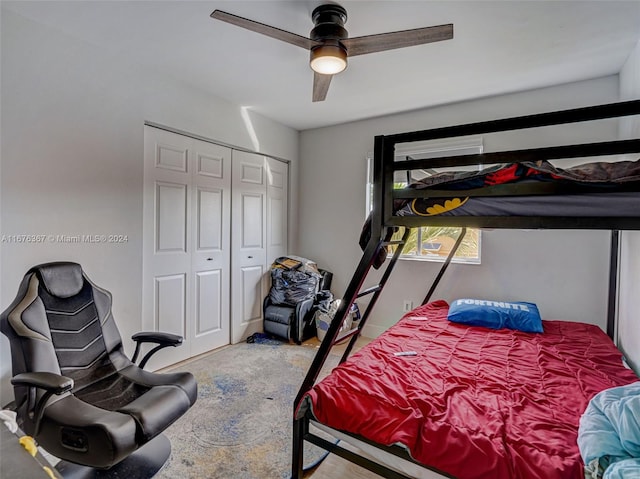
x: 407, y: 305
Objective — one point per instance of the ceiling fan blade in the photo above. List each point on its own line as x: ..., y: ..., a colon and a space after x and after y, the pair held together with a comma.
x: 401, y: 39
x: 320, y: 86
x: 267, y: 30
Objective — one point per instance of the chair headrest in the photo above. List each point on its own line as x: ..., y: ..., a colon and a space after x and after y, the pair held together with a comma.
x: 61, y: 279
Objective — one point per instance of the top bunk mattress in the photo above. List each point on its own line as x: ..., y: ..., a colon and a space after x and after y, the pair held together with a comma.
x: 598, y: 189
x: 473, y: 402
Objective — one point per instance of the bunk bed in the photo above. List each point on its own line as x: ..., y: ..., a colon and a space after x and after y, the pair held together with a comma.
x: 561, y: 368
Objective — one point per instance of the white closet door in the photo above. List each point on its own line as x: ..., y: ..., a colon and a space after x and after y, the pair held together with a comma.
x: 277, y: 209
x: 186, y: 247
x: 248, y: 225
x: 211, y: 246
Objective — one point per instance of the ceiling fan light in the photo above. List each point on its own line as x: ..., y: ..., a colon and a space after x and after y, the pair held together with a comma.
x: 328, y: 59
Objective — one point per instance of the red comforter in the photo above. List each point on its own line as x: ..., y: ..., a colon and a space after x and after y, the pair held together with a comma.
x: 474, y: 402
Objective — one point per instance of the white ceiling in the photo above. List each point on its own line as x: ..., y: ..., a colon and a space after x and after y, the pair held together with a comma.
x: 498, y: 47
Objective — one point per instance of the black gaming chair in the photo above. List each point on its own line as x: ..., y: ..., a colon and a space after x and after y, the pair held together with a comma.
x: 294, y: 322
x: 75, y: 391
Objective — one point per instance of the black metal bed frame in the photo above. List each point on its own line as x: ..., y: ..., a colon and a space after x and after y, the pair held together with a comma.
x: 383, y: 219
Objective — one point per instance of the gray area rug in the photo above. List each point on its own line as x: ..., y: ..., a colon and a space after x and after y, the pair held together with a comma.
x: 240, y: 426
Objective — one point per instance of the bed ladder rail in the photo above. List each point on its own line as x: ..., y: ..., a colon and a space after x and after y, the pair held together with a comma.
x: 377, y: 289
x: 374, y: 290
x: 353, y: 291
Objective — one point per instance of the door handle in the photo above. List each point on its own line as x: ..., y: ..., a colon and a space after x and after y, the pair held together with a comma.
x: 209, y: 259
x: 250, y: 257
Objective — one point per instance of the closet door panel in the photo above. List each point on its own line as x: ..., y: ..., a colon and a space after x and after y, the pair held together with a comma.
x: 209, y: 219
x: 277, y: 209
x: 209, y: 299
x: 248, y: 223
x: 211, y: 257
x: 186, y: 244
x: 166, y: 230
x: 170, y: 303
x: 252, y: 218
x: 171, y: 217
x: 251, y: 301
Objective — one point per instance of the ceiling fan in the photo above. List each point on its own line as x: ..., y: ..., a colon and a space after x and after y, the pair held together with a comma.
x: 330, y: 45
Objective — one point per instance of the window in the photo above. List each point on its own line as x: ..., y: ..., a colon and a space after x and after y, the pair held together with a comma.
x: 432, y: 243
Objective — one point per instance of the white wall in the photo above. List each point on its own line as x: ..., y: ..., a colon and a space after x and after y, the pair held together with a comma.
x: 629, y: 304
x: 4, y: 353
x: 565, y: 272
x: 72, y: 157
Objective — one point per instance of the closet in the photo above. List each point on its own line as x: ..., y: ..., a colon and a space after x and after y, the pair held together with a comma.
x: 214, y: 220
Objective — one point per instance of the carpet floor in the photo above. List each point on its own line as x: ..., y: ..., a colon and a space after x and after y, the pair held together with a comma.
x: 240, y: 426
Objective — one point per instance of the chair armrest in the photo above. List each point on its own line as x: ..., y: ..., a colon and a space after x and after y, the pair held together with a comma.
x: 166, y: 339
x: 326, y: 280
x: 266, y: 302
x: 52, y: 382
x: 303, y: 316
x: 163, y: 340
x: 303, y: 307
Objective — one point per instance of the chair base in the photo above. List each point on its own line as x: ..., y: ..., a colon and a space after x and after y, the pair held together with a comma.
x: 145, y: 463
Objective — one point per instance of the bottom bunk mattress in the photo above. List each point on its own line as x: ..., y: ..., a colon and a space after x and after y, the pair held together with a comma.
x: 473, y: 402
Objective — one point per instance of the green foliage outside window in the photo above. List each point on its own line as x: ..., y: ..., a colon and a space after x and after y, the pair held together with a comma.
x: 436, y: 242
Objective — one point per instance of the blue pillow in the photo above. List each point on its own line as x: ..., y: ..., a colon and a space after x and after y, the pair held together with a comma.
x: 496, y: 314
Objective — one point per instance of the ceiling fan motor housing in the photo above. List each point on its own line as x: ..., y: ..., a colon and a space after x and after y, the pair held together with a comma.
x: 328, y: 32
x: 329, y: 23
